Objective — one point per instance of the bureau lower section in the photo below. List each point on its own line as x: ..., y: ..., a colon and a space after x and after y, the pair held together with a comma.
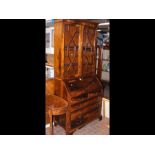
x: 81, y: 113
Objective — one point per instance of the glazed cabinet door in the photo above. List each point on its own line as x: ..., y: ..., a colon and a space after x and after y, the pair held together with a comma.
x: 71, y: 47
x: 89, y: 51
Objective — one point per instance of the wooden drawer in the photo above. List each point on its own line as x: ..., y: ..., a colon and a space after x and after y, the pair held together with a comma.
x: 90, y: 108
x: 84, y: 104
x: 76, y: 114
x: 75, y: 107
x: 91, y: 115
x: 90, y: 102
x: 84, y: 116
x: 81, y: 112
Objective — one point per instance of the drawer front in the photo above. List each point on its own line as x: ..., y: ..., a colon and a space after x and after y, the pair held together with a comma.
x: 76, y: 115
x: 80, y: 113
x: 90, y: 108
x: 75, y: 107
x: 84, y: 104
x: 91, y: 115
x: 90, y: 102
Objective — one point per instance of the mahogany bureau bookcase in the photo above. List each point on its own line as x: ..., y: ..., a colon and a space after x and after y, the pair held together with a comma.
x: 75, y: 72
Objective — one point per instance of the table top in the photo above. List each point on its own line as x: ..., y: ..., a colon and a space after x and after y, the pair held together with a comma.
x: 56, y: 102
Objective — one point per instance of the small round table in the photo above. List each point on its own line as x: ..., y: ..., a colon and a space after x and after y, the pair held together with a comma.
x: 56, y: 106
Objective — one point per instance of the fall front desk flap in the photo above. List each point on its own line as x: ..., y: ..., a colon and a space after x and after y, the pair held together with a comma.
x: 83, y: 88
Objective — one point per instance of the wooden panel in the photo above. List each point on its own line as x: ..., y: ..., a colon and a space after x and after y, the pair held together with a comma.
x: 60, y: 88
x: 50, y: 87
x: 49, y: 91
x: 80, y: 62
x: 99, y: 70
x: 58, y: 51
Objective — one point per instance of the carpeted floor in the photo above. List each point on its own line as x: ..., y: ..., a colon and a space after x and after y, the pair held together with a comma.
x: 96, y: 127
